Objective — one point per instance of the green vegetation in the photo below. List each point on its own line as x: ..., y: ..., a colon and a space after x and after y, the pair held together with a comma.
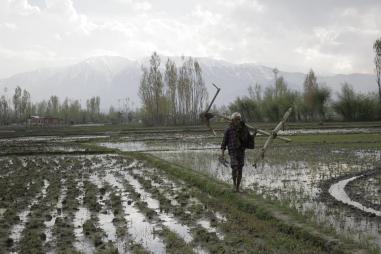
x: 313, y: 104
x: 357, y: 107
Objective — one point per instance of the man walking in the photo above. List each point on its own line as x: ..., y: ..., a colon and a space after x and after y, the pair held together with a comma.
x: 235, y: 138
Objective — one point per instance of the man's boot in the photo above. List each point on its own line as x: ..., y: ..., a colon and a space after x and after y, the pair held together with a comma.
x: 234, y: 176
x: 239, y: 178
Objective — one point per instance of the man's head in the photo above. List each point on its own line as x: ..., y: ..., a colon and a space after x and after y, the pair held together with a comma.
x: 236, y: 118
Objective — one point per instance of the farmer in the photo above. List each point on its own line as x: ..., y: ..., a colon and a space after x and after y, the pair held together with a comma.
x: 235, y: 138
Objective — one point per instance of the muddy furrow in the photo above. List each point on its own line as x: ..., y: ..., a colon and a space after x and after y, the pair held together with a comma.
x: 83, y: 214
x: 172, y: 227
x: 63, y: 229
x: 177, y: 199
x: 141, y: 231
x: 17, y: 230
x: 55, y: 212
x: 189, y: 210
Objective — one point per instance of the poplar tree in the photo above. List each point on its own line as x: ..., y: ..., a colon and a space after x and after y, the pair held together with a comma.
x: 170, y: 78
x: 377, y: 64
x: 17, y: 103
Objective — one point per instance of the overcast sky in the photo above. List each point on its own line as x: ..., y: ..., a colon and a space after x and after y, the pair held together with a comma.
x: 330, y: 36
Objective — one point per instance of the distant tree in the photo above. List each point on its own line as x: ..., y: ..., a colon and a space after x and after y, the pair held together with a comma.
x: 53, y: 107
x: 269, y: 106
x: 147, y: 97
x: 25, y: 105
x: 310, y: 86
x: 93, y: 108
x: 155, y: 80
x: 183, y: 90
x: 4, y: 110
x: 280, y: 87
x: 170, y: 78
x: 65, y: 110
x: 377, y: 63
x: 17, y: 103
x: 178, y: 99
x: 249, y: 108
x: 321, y: 97
x: 41, y: 108
x: 315, y: 97
x: 255, y: 92
x: 75, y: 110
x: 355, y: 107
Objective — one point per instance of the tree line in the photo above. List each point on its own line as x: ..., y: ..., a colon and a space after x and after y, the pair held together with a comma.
x: 314, y: 103
x: 19, y: 108
x: 175, y: 96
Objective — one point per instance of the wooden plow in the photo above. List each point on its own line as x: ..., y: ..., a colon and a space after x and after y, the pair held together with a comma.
x: 207, y: 115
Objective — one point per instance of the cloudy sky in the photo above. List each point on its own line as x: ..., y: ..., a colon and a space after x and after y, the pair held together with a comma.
x: 330, y: 36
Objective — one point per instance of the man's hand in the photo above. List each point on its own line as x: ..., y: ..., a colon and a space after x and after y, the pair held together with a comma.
x: 223, y: 161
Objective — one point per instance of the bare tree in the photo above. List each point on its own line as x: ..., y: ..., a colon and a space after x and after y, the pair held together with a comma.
x: 4, y: 110
x: 310, y: 86
x: 25, y: 105
x: 53, y: 106
x: 17, y: 103
x: 170, y: 78
x: 146, y: 95
x: 179, y: 99
x: 377, y: 63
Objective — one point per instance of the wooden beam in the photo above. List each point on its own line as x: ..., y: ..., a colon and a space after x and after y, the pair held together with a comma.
x: 270, y: 139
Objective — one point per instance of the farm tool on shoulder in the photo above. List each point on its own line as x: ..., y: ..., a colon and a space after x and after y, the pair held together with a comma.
x: 273, y: 135
x: 207, y: 115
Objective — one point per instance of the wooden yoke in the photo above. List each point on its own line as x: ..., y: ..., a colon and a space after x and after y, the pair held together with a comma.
x: 206, y: 115
x: 271, y: 137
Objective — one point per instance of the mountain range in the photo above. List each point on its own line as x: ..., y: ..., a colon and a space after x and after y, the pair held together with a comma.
x: 115, y: 78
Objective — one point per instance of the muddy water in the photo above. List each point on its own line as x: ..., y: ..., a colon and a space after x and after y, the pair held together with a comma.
x: 330, y: 131
x: 82, y: 243
x: 105, y: 222
x: 337, y: 190
x: 141, y: 146
x: 167, y: 219
x: 57, y: 212
x: 205, y: 223
x: 51, y: 138
x: 105, y: 218
x: 141, y: 230
x: 17, y: 229
x: 170, y: 190
x: 294, y: 180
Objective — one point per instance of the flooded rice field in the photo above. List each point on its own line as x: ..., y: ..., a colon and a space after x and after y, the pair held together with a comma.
x: 62, y: 204
x: 329, y: 184
x: 107, y: 203
x: 55, y: 198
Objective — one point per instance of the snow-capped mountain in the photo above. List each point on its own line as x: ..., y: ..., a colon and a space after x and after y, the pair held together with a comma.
x: 114, y: 78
